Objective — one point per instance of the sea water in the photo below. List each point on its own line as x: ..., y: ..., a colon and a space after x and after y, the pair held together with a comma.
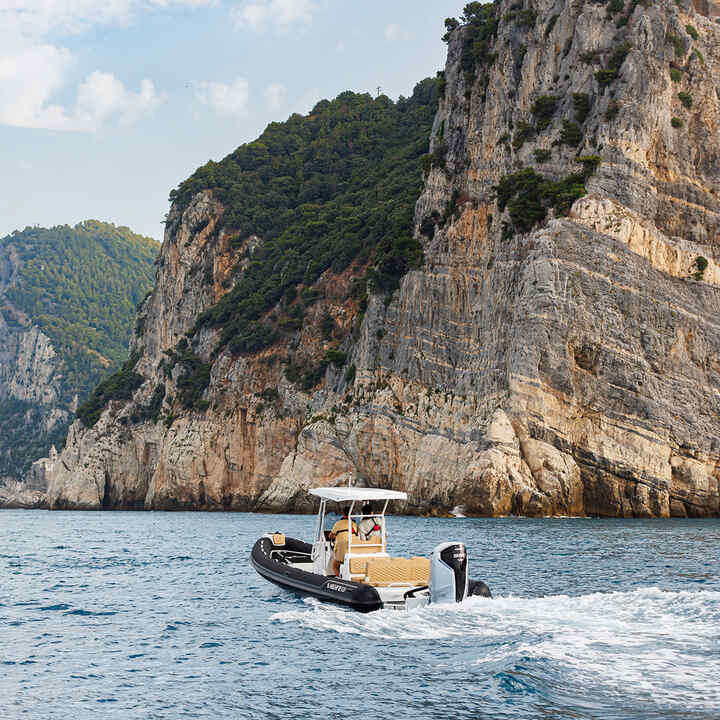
x: 160, y: 615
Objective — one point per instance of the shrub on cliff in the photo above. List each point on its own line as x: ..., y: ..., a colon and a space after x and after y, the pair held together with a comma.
x: 700, y: 265
x: 528, y: 195
x: 451, y: 24
x: 119, y: 386
x: 437, y: 156
x: 524, y: 18
x: 590, y: 164
x: 336, y: 357
x: 685, y: 99
x: 677, y: 43
x: 524, y: 131
x: 611, y: 71
x: 327, y: 325
x: 523, y: 194
x: 543, y: 110
x: 612, y: 111
x: 562, y: 194
x: 481, y: 22
x: 571, y: 134
x: 192, y: 380
x: 581, y: 104
x: 306, y: 374
x: 151, y: 411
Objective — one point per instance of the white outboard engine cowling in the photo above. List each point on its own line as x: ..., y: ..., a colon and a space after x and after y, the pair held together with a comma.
x: 449, y: 573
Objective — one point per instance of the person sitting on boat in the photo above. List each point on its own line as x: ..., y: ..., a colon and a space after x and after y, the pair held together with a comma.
x: 339, y: 534
x: 370, y: 528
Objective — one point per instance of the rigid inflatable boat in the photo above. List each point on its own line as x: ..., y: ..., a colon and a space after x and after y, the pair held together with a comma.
x: 369, y: 579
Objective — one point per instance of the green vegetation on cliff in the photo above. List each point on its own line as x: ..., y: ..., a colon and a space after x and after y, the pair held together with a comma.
x: 81, y: 286
x: 323, y: 191
x: 528, y: 195
x: 23, y: 439
x: 480, y: 23
x: 118, y: 386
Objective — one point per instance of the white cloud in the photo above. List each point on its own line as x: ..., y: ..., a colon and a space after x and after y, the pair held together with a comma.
x: 30, y: 76
x: 102, y: 95
x: 259, y: 14
x: 226, y: 99
x: 275, y: 96
x: 34, y: 68
x: 69, y: 16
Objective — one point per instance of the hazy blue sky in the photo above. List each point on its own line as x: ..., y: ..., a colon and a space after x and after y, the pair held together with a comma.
x: 105, y: 105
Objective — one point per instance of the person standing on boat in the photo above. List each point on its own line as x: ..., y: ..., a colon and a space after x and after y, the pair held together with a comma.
x: 339, y: 534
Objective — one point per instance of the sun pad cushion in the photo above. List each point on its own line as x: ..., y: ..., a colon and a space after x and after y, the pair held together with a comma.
x: 387, y: 571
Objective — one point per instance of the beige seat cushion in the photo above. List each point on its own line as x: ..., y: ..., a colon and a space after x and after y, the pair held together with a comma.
x: 278, y: 539
x: 358, y: 566
x: 366, y: 546
x: 382, y: 572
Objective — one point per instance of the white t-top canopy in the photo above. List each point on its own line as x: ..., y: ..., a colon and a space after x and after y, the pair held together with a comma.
x: 355, y: 494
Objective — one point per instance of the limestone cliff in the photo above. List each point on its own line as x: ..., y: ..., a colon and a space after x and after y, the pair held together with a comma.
x: 558, y: 352
x: 30, y: 378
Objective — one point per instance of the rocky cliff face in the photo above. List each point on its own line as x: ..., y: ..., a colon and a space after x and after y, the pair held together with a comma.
x: 557, y: 353
x: 52, y: 282
x: 30, y: 385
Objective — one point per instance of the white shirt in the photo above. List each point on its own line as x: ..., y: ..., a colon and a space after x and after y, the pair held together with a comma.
x: 366, y: 527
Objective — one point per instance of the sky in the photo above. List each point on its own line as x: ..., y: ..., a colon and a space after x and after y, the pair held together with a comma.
x: 106, y: 105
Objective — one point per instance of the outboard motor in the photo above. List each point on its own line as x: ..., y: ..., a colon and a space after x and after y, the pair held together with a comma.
x: 448, y: 573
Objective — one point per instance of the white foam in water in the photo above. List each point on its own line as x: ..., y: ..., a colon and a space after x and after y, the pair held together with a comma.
x: 648, y: 642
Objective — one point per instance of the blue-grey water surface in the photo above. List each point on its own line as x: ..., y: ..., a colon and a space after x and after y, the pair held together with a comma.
x: 159, y: 615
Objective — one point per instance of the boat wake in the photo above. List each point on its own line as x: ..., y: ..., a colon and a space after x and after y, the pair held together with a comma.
x: 648, y: 642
